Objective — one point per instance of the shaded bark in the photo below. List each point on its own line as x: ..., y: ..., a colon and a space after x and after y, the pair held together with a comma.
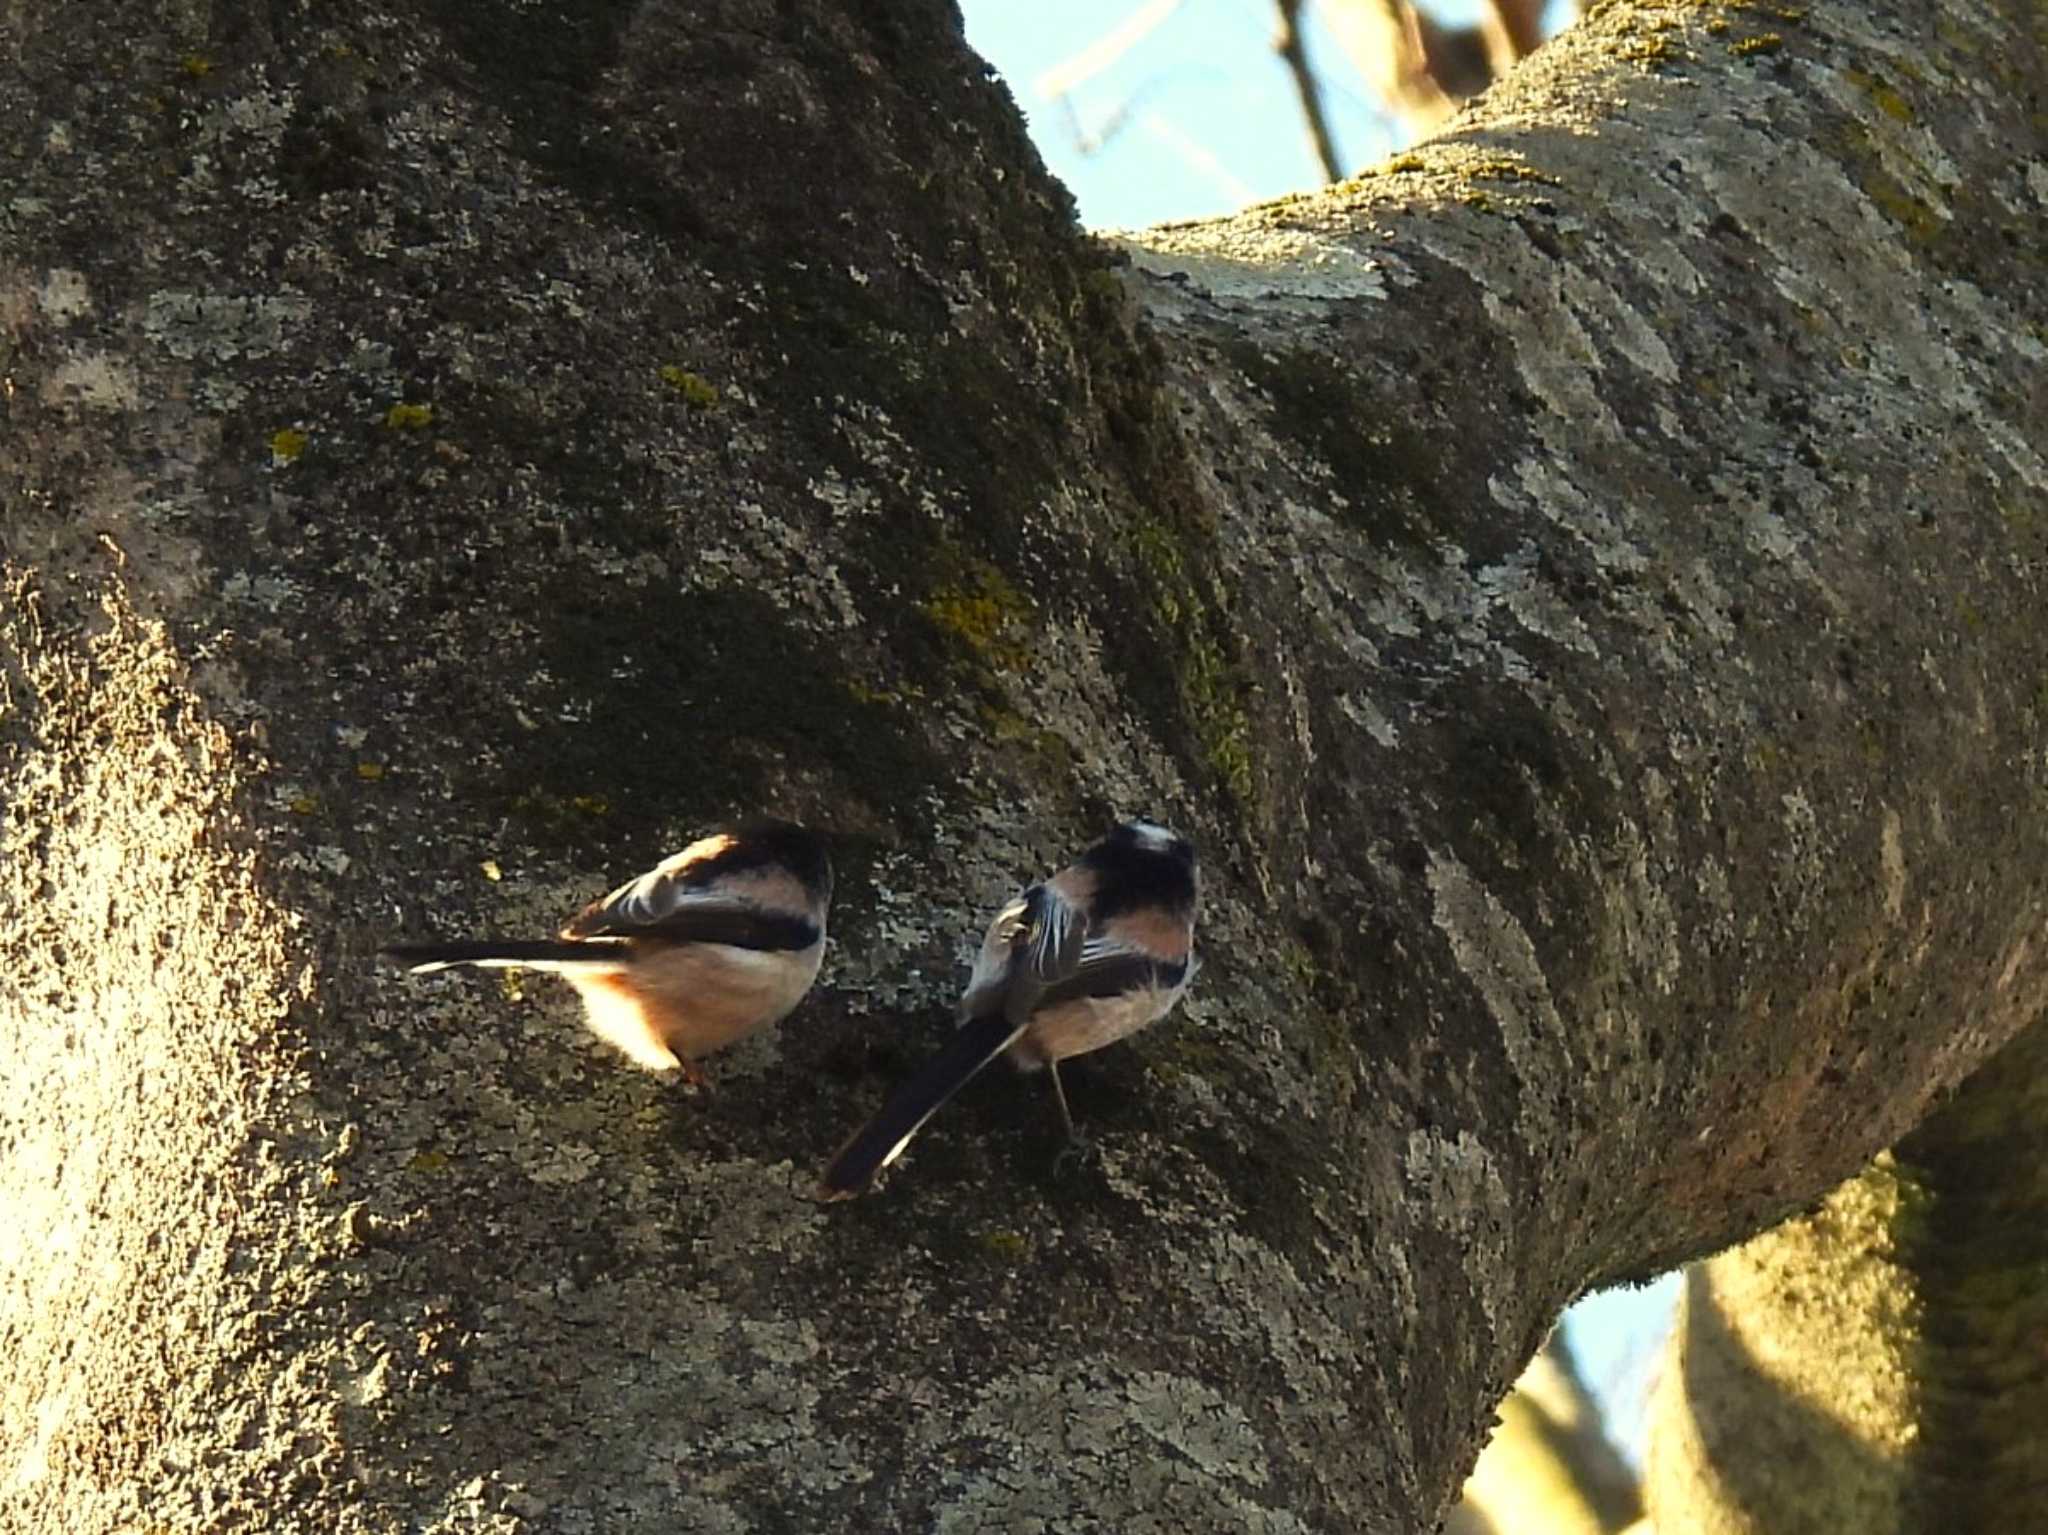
x: 1786, y: 1402
x: 1580, y: 586
x: 1979, y: 1252
x: 1877, y: 1365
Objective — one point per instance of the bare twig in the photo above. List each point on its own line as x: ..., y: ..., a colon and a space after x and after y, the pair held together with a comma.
x: 1198, y: 156
x: 1514, y: 30
x: 1079, y: 68
x: 1289, y: 45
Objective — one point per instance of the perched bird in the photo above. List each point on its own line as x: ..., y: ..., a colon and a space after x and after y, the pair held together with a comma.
x: 722, y: 939
x: 1074, y: 963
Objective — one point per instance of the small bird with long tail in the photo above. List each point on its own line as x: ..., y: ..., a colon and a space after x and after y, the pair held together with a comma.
x: 1074, y: 963
x: 706, y: 947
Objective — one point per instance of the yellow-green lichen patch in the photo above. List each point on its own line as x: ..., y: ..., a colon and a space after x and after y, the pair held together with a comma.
x: 1762, y: 43
x: 1791, y: 15
x: 1503, y: 167
x: 986, y: 614
x: 1650, y: 49
x: 1211, y: 690
x: 1102, y: 286
x: 195, y: 66
x: 1010, y: 1246
x: 1458, y: 165
x: 862, y: 692
x: 1193, y: 1052
x: 1958, y: 36
x: 1320, y: 1001
x: 1920, y: 219
x: 1016, y: 731
x: 403, y: 417
x: 566, y: 815
x: 1882, y: 96
x: 286, y: 444
x: 698, y: 392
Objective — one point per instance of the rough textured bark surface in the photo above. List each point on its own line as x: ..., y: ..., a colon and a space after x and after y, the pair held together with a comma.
x: 1786, y: 1401
x: 1877, y: 1365
x: 1580, y: 584
x: 1979, y: 1252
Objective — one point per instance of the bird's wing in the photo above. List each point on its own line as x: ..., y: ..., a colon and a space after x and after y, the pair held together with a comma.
x: 671, y: 903
x: 1106, y: 968
x: 1033, y: 942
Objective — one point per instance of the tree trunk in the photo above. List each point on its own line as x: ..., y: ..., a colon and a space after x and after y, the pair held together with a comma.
x: 1580, y: 585
x: 1878, y: 1365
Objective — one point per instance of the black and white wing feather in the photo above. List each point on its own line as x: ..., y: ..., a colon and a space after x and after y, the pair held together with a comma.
x: 1106, y: 968
x: 673, y: 902
x: 1033, y: 942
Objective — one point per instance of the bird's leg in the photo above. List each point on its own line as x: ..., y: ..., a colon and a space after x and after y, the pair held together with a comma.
x: 692, y: 1074
x: 1059, y: 1094
x: 1077, y: 1148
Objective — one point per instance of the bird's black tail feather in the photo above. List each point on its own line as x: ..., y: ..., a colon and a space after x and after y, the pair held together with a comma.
x: 881, y: 1140
x: 545, y: 953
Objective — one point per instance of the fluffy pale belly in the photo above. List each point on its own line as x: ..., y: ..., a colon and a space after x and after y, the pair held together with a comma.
x: 687, y: 1001
x: 1088, y: 1023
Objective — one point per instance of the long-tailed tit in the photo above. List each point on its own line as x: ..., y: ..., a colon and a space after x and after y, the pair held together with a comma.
x: 705, y: 947
x: 1074, y: 963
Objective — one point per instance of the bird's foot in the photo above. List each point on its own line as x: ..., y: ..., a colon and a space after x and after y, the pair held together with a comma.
x: 692, y: 1076
x: 1079, y: 1152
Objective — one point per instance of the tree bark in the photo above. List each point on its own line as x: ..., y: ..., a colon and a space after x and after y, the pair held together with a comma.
x: 1878, y: 1365
x: 1579, y: 584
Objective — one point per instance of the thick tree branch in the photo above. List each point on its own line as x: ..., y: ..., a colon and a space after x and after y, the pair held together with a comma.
x: 1581, y: 586
x: 1885, y: 1346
